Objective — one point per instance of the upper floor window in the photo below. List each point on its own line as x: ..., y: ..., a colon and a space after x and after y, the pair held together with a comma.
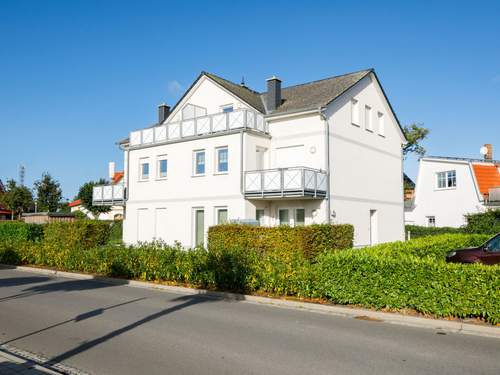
x: 227, y: 108
x: 222, y: 159
x: 368, y: 118
x: 381, y: 123
x: 190, y: 111
x: 446, y: 179
x: 144, y: 168
x: 162, y: 166
x: 199, y: 162
x: 354, y: 112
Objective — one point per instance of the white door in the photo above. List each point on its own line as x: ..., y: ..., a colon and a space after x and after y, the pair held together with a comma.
x: 161, y: 224
x: 373, y: 227
x: 290, y: 156
x: 144, y: 225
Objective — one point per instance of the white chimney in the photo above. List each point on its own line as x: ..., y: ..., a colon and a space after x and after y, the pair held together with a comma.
x: 111, y: 169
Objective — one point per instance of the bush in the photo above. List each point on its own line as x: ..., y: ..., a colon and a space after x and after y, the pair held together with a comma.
x: 417, y: 231
x: 307, y: 240
x: 81, y: 234
x: 116, y: 232
x: 487, y: 222
x: 16, y: 231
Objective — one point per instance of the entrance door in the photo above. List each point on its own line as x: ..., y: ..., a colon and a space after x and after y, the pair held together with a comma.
x: 373, y: 227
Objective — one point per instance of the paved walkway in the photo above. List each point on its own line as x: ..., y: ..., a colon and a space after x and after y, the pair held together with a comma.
x: 14, y: 365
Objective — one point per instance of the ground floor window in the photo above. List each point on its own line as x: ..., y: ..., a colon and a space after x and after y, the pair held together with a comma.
x: 296, y: 218
x: 283, y: 216
x: 431, y: 221
x: 199, y: 227
x: 259, y: 216
x: 300, y: 217
x: 221, y: 215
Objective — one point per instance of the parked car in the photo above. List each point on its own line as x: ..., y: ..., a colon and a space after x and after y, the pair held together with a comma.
x: 488, y: 253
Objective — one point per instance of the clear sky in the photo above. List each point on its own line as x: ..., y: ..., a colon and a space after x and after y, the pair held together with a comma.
x: 77, y: 76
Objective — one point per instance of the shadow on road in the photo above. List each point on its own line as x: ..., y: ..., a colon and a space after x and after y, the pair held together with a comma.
x: 16, y: 281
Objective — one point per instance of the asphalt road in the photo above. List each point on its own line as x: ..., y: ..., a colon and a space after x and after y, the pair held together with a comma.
x: 111, y: 329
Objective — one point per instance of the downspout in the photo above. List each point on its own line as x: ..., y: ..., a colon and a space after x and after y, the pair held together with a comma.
x: 323, y: 116
x: 127, y: 174
x: 241, y: 162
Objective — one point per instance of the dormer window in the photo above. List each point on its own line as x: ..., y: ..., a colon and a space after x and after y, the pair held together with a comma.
x: 446, y: 180
x: 227, y: 108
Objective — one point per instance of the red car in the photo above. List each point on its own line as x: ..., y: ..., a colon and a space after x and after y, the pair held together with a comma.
x: 488, y: 253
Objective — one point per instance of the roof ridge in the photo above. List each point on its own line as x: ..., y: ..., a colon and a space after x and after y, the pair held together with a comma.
x: 470, y: 160
x: 328, y: 78
x: 228, y: 81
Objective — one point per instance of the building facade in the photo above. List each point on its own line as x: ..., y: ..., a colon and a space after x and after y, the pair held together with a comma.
x: 320, y: 152
x: 448, y: 188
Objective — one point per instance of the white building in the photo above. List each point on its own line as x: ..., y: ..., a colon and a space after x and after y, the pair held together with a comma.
x: 448, y: 188
x: 319, y: 152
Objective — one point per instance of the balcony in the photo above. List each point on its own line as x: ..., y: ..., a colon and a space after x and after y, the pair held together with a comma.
x: 285, y: 182
x: 108, y: 195
x: 199, y: 127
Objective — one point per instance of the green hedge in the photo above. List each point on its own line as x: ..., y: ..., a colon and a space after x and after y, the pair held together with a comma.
x: 81, y: 234
x: 487, y: 222
x: 20, y: 231
x: 308, y: 240
x: 417, y: 231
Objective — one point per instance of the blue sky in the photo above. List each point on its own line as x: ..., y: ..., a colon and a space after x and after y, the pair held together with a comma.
x: 77, y: 76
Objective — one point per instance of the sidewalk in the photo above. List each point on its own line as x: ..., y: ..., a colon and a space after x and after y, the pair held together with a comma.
x: 14, y: 365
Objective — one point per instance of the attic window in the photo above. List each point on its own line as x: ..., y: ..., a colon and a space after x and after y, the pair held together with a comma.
x: 446, y: 180
x: 227, y: 108
x: 354, y: 112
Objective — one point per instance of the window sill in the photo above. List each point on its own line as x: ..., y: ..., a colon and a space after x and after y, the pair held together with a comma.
x: 381, y: 135
x: 161, y: 178
x: 444, y: 189
x: 369, y: 130
x: 354, y: 124
x: 143, y: 180
x: 198, y: 175
x: 220, y: 173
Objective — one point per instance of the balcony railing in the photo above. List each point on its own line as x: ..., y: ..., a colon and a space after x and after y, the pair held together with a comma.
x: 200, y: 126
x: 285, y: 182
x: 108, y: 195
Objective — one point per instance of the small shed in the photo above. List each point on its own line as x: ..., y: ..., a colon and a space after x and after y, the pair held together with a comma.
x: 47, y: 217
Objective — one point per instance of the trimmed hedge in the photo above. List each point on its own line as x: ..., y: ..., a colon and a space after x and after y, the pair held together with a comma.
x: 487, y: 222
x: 20, y: 231
x: 308, y: 240
x: 417, y: 231
x: 400, y: 275
x: 81, y: 234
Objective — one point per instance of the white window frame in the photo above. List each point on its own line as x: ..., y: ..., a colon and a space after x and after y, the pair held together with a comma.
x: 368, y: 118
x: 429, y: 219
x: 355, y: 112
x: 262, y: 220
x: 446, y: 175
x: 381, y: 123
x: 295, y: 216
x: 195, y: 153
x: 193, y: 226
x: 216, y: 212
x: 159, y: 159
x: 292, y: 215
x: 143, y: 161
x: 224, y: 108
x: 217, y: 149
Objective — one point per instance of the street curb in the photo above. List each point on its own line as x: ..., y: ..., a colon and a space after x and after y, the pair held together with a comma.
x: 440, y: 325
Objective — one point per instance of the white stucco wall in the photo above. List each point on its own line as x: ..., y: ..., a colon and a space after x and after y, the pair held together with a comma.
x: 448, y: 205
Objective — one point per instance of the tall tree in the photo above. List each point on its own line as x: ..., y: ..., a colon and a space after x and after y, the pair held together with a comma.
x: 48, y: 193
x: 415, y: 134
x: 85, y: 194
x: 17, y: 198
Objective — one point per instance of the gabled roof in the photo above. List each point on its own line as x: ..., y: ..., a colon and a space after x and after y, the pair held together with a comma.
x: 487, y: 177
x: 316, y: 94
x: 75, y: 203
x: 117, y: 177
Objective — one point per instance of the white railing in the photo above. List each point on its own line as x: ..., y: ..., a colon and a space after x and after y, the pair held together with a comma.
x: 200, y: 126
x: 286, y: 182
x: 108, y: 195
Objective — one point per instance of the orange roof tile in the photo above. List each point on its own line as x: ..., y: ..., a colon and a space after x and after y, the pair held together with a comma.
x: 75, y: 203
x: 487, y: 176
x: 117, y: 177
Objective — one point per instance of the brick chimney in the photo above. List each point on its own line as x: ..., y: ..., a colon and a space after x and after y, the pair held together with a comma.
x: 163, y: 112
x: 489, y: 152
x: 273, y: 98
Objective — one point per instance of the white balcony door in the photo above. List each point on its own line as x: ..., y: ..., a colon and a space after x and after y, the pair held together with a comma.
x: 260, y: 156
x: 290, y: 156
x: 144, y: 225
x: 161, y: 224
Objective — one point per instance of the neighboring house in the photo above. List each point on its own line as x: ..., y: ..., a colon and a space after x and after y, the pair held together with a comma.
x: 47, y: 217
x: 448, y: 188
x: 116, y: 211
x: 319, y: 152
x: 5, y: 214
x: 409, y: 187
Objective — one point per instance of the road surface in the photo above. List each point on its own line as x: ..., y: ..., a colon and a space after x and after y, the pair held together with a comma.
x: 116, y: 329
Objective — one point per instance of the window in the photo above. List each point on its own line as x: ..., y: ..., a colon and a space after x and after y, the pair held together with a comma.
x: 191, y: 111
x: 381, y: 123
x: 144, y: 168
x: 354, y: 112
x: 446, y: 180
x: 431, y: 221
x: 199, y: 162
x: 199, y: 227
x: 259, y: 216
x: 221, y: 155
x: 300, y: 217
x: 227, y: 108
x: 283, y: 217
x: 162, y: 166
x: 493, y: 245
x: 368, y: 118
x: 221, y: 215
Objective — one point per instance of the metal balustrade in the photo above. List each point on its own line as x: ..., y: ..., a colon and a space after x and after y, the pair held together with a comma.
x: 108, y: 195
x: 285, y: 182
x: 200, y: 126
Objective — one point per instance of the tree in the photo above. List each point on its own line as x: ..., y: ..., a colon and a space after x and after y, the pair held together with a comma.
x: 48, y: 193
x: 85, y: 194
x: 17, y: 198
x: 415, y: 134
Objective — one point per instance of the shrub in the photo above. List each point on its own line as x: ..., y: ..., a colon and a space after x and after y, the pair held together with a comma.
x: 116, y: 232
x: 16, y: 231
x: 487, y: 222
x: 307, y: 240
x: 417, y: 231
x: 81, y: 234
